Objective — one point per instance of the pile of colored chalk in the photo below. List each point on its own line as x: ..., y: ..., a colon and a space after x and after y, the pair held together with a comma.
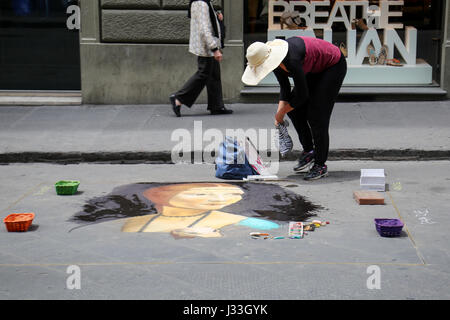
x: 315, y: 224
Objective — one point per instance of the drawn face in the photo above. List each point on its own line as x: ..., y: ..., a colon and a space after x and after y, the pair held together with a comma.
x: 207, y: 198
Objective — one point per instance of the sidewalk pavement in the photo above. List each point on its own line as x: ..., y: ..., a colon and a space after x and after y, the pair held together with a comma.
x: 142, y: 133
x: 334, y: 262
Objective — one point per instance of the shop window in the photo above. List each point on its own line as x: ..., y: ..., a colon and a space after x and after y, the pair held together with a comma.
x: 410, y: 29
x: 39, y: 48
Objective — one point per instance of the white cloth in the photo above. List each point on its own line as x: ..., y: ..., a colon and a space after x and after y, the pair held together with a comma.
x: 202, y: 39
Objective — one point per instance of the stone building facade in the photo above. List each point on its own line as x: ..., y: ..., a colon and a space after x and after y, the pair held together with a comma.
x: 136, y: 51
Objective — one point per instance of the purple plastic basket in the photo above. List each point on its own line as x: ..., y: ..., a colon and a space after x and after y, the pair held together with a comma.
x: 389, y: 227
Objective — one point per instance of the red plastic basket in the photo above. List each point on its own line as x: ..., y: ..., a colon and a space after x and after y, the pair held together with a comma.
x: 18, y: 222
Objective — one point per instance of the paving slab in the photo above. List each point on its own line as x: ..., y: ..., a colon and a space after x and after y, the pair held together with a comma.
x: 329, y: 263
x: 397, y: 129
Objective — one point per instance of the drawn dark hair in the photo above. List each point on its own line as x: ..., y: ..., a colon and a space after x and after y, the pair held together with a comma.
x: 262, y: 200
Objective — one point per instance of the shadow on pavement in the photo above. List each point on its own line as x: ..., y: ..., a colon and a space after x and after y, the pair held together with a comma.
x: 333, y: 176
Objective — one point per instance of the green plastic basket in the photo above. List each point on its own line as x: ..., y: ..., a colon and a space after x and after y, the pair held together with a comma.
x: 67, y: 187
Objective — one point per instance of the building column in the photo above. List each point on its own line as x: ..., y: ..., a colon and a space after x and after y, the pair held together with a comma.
x: 90, y: 17
x: 89, y: 36
x: 445, y: 57
x: 233, y: 62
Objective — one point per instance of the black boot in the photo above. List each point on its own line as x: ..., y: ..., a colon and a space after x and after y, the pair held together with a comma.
x: 175, y: 108
x: 222, y: 110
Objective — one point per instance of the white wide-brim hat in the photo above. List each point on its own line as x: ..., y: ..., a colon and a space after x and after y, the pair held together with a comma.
x: 262, y: 59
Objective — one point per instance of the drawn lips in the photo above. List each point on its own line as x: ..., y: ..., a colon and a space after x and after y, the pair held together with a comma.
x: 217, y: 203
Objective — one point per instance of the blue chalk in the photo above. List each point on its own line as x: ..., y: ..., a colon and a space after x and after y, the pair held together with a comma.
x: 258, y: 224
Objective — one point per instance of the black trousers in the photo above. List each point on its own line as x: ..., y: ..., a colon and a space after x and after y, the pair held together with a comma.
x: 208, y: 74
x: 312, y: 119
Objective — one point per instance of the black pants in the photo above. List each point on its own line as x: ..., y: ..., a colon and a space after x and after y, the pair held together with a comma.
x: 208, y: 74
x: 312, y: 120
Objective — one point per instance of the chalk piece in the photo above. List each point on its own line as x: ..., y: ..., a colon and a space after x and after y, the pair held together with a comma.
x: 258, y: 224
x: 260, y: 178
x: 368, y: 197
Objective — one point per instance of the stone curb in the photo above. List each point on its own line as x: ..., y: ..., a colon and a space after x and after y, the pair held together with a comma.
x: 159, y: 157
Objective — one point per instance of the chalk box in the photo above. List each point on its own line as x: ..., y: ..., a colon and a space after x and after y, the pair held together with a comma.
x: 373, y: 180
x: 295, y: 229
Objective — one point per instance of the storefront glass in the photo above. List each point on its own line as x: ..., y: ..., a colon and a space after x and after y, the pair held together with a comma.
x: 39, y: 50
x: 411, y: 30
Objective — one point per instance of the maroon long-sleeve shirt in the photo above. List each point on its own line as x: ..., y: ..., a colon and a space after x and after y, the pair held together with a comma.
x: 305, y: 55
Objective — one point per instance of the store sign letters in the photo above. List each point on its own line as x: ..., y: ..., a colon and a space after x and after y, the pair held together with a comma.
x: 316, y: 16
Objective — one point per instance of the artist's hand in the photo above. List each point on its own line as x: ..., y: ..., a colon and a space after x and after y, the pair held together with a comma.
x: 279, y: 118
x: 220, y: 16
x: 283, y: 108
x: 218, y: 55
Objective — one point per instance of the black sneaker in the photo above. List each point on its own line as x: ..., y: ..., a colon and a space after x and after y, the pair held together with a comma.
x: 306, y: 160
x: 317, y: 172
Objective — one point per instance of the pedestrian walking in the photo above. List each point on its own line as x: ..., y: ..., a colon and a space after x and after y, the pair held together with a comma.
x: 206, y: 42
x: 318, y: 69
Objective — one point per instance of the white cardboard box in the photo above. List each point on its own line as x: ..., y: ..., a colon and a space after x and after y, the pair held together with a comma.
x: 373, y: 180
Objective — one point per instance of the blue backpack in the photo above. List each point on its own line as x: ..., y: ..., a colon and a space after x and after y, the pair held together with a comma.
x: 232, y: 162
